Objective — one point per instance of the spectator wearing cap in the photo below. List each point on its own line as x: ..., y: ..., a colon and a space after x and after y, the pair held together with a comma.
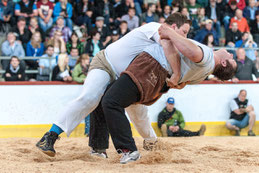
x: 11, y: 47
x: 45, y: 9
x: 60, y: 26
x: 241, y: 21
x: 131, y: 19
x: 14, y: 72
x: 123, y: 28
x: 229, y: 13
x: 204, y: 31
x: 64, y: 9
x: 103, y: 30
x: 171, y: 122
x: 115, y: 36
x: 94, y: 45
x: 23, y: 34
x: 26, y: 8
x: 150, y: 15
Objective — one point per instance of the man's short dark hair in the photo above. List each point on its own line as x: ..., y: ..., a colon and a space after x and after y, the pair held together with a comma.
x: 224, y: 73
x: 50, y: 45
x: 178, y: 19
x: 149, y: 5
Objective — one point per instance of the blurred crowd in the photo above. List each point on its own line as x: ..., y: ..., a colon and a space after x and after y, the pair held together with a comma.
x: 73, y: 31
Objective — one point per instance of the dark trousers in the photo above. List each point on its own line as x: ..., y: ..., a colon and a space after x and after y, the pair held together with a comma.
x: 182, y: 133
x: 120, y: 95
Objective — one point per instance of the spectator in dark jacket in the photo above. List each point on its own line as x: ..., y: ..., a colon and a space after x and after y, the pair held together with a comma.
x: 26, y: 8
x: 103, y: 30
x: 250, y: 10
x: 94, y: 45
x: 245, y: 67
x: 14, y: 72
x: 229, y: 13
x: 254, y: 27
x: 150, y: 15
x: 104, y: 8
x: 233, y: 35
x: 62, y: 72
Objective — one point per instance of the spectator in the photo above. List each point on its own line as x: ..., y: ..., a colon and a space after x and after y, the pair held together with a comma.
x: 203, y: 3
x: 44, y: 64
x: 83, y: 14
x: 14, y: 72
x: 33, y: 27
x: 241, y: 21
x: 58, y: 43
x: 209, y: 40
x: 161, y: 20
x: 171, y: 122
x: 138, y: 4
x: 245, y: 67
x: 115, y: 37
x: 66, y: 32
x: 81, y: 69
x: 166, y: 11
x: 213, y: 13
x: 244, y: 38
x: 257, y: 63
x: 242, y: 114
x: 6, y: 15
x: 94, y: 45
x: 24, y: 35
x: 230, y: 12
x: 75, y: 42
x: 250, y: 52
x: 73, y: 56
x: 123, y: 28
x: 105, y: 8
x: 193, y: 8
x: 233, y: 35
x: 103, y: 30
x: 254, y: 27
x: 27, y: 9
x: 241, y: 4
x: 11, y: 47
x: 131, y: 19
x: 203, y: 32
x: 155, y: 2
x: 185, y: 12
x: 176, y: 6
x: 150, y: 15
x: 122, y: 8
x: 65, y: 10
x: 62, y: 71
x: 45, y: 9
x: 199, y: 22
x: 249, y: 11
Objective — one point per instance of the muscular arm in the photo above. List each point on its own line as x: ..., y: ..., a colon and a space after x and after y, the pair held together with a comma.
x: 185, y: 46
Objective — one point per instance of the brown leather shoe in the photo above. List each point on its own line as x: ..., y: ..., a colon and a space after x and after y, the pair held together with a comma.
x: 202, y: 130
x: 164, y: 130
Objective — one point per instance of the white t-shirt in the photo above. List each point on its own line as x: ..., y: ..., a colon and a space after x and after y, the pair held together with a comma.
x: 120, y: 53
x: 190, y: 71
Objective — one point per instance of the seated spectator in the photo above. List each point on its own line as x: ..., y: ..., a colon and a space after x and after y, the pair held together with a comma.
x: 11, y: 47
x: 34, y: 27
x: 155, y: 2
x: 241, y: 21
x: 233, y: 35
x: 44, y: 64
x: 62, y: 71
x: 209, y: 40
x: 122, y: 7
x: 73, y: 56
x: 83, y: 14
x: 255, y: 26
x: 250, y: 10
x: 244, y: 38
x: 229, y: 13
x: 177, y: 5
x: 27, y: 9
x: 75, y: 42
x: 166, y: 11
x: 14, y: 72
x: 245, y: 67
x: 103, y: 30
x: 94, y: 45
x: 24, y: 35
x: 161, y: 20
x: 105, y: 8
x: 115, y: 36
x: 171, y: 122
x: 199, y: 22
x: 66, y: 32
x: 35, y: 48
x: 242, y: 114
x: 80, y: 71
x: 208, y: 29
x: 241, y: 4
x: 6, y: 15
x: 65, y: 10
x: 150, y: 15
x: 45, y: 9
x: 193, y: 7
x: 131, y: 19
x: 213, y: 12
x: 123, y: 29
x: 58, y: 43
x: 185, y: 12
x: 250, y: 44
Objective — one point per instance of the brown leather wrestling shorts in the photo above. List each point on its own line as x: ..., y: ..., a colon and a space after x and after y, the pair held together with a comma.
x: 149, y: 76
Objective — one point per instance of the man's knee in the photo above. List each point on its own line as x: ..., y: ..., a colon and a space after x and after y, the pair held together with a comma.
x: 251, y: 114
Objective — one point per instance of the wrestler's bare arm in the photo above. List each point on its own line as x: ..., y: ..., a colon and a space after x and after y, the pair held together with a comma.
x: 185, y: 46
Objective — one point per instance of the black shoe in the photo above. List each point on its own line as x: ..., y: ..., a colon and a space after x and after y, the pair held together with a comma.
x: 251, y: 133
x: 46, y: 144
x: 237, y: 133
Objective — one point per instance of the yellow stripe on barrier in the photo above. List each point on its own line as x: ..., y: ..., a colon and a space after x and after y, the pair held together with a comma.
x: 36, y: 131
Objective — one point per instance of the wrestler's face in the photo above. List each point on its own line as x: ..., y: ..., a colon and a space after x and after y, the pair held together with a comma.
x: 183, y: 30
x: 226, y: 56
